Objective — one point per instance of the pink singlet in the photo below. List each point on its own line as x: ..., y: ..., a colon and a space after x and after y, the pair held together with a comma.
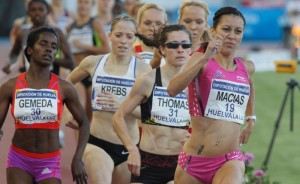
x: 224, y: 94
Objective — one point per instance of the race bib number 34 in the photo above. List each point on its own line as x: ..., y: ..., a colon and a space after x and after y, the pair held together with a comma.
x: 36, y: 106
x: 227, y: 101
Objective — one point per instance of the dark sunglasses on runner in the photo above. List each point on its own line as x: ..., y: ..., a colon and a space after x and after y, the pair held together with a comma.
x: 175, y: 45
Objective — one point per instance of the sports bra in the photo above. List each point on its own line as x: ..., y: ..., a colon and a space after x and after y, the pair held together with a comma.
x: 120, y: 86
x: 163, y: 110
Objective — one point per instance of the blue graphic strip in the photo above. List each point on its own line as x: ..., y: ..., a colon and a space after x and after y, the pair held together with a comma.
x: 35, y: 94
x: 115, y: 81
x: 235, y: 88
x: 163, y: 93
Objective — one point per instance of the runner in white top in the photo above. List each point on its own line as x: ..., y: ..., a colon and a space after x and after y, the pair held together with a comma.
x: 112, y: 77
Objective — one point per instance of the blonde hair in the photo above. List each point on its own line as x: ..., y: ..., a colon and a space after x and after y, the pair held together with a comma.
x: 148, y: 6
x: 185, y: 3
x: 120, y: 18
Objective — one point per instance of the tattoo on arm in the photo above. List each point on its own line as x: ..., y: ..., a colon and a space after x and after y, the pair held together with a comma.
x: 200, y: 149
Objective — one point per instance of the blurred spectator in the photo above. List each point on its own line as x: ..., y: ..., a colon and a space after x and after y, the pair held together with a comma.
x: 293, y: 12
x: 150, y: 18
x: 233, y: 2
x: 246, y: 3
x: 263, y: 3
x: 19, y: 23
x: 106, y: 11
x: 129, y: 5
x: 38, y: 11
x: 59, y: 16
x: 118, y: 8
x: 288, y: 20
x: 135, y: 10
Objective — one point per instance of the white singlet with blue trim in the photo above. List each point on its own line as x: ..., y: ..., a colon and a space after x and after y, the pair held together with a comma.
x: 120, y: 86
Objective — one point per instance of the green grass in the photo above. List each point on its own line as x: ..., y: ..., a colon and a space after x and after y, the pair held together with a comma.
x: 284, y: 163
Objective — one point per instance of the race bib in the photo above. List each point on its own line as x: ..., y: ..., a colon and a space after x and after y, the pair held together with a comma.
x: 227, y: 100
x: 169, y: 111
x: 36, y: 106
x: 120, y: 87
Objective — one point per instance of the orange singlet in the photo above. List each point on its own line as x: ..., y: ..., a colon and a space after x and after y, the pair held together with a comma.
x: 37, y: 108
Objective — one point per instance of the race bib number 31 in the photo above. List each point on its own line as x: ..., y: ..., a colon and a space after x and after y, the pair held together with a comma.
x: 227, y: 101
x: 36, y: 106
x: 169, y: 111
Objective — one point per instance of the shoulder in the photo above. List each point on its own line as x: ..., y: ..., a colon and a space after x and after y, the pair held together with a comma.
x: 147, y: 79
x: 97, y: 18
x: 59, y: 32
x: 96, y: 22
x: 142, y: 67
x: 19, y: 21
x: 249, y: 65
x: 11, y: 82
x: 66, y: 88
x: 90, y: 61
x: 97, y: 25
x: 65, y: 85
x: 8, y: 87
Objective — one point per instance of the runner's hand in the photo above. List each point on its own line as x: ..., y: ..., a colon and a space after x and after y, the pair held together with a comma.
x: 134, y: 161
x: 109, y: 101
x: 246, y: 132
x: 78, y: 172
x: 214, y: 46
x: 156, y: 60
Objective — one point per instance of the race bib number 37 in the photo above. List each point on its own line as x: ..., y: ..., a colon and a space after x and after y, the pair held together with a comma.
x: 36, y: 106
x: 227, y: 101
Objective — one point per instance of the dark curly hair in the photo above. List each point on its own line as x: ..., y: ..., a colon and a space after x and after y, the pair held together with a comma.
x: 229, y: 10
x: 34, y: 36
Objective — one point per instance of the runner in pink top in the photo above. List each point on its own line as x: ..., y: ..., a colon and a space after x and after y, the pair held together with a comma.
x: 236, y: 83
x: 221, y: 99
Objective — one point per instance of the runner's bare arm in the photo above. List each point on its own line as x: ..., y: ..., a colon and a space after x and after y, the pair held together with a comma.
x: 6, y: 91
x: 71, y: 100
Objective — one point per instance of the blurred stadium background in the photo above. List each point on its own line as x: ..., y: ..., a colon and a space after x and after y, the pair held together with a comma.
x: 267, y: 38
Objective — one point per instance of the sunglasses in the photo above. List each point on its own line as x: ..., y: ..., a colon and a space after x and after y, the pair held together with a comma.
x: 175, y: 45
